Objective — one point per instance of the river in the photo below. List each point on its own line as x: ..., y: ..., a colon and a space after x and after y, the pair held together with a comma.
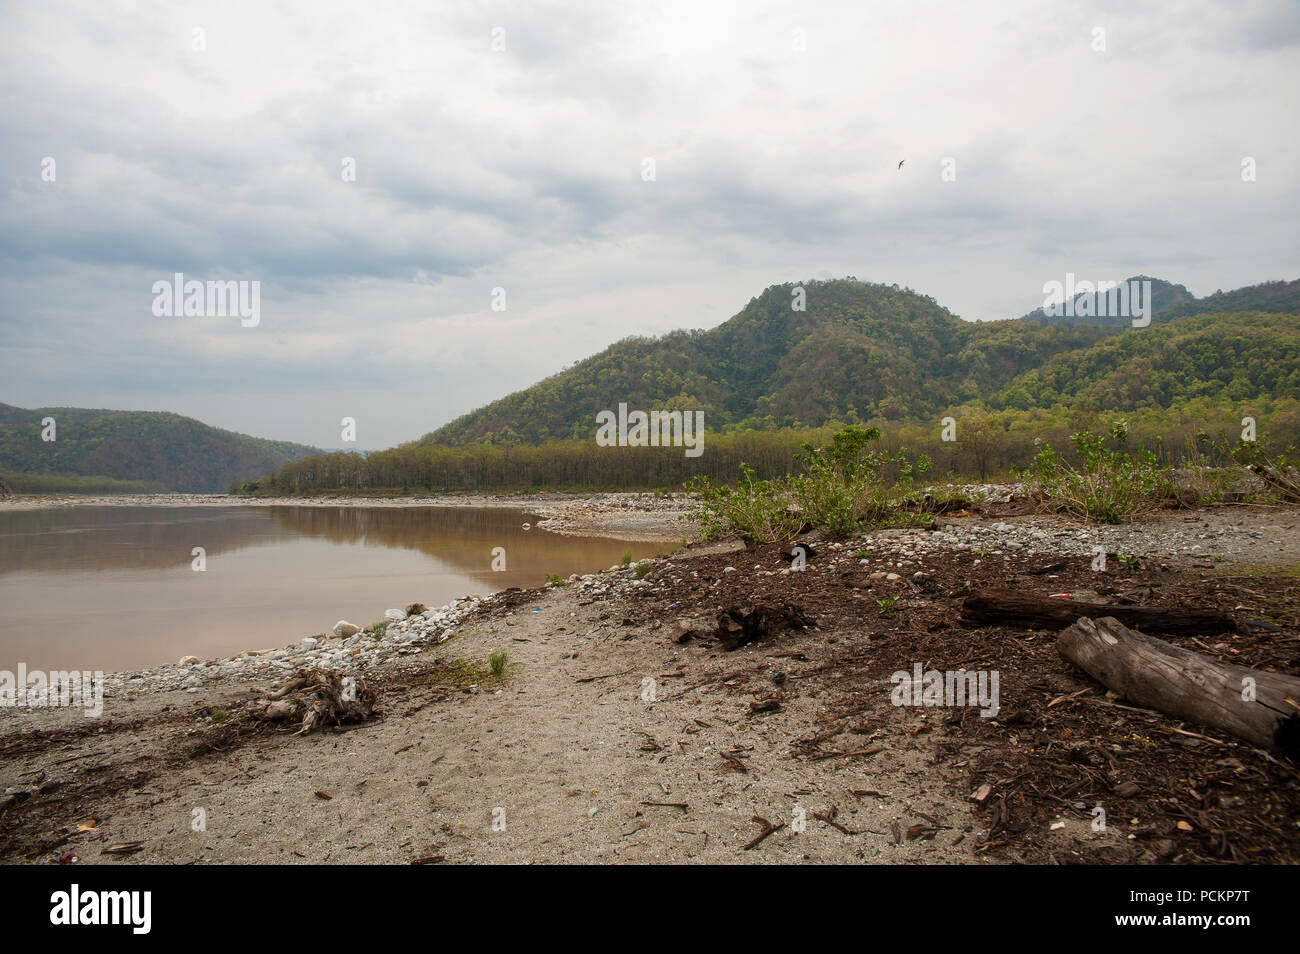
x: 117, y: 588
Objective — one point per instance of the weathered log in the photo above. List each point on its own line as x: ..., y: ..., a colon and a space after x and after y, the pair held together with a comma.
x: 997, y: 605
x: 1252, y: 704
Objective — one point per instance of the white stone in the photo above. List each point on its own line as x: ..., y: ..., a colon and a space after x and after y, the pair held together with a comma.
x: 344, y: 628
x: 309, y: 643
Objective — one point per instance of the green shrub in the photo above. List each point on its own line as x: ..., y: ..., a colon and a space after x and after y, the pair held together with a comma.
x: 845, y: 487
x: 1110, y: 486
x: 759, y: 508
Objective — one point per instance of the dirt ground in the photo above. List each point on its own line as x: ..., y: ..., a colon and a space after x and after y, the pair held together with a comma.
x: 609, y: 740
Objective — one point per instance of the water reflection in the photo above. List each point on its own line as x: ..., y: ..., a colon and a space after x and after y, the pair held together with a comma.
x: 113, y: 587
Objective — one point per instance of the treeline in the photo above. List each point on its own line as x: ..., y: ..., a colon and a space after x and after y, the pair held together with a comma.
x: 986, y: 446
x: 77, y: 484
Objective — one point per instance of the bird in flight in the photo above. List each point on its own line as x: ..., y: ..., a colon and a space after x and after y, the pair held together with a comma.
x: 900, y: 163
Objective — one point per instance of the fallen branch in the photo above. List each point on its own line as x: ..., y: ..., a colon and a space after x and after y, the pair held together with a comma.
x: 768, y: 828
x: 608, y: 675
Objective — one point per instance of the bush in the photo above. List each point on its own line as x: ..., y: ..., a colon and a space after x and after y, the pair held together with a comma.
x: 759, y: 508
x: 1110, y: 486
x: 1275, y: 468
x: 844, y: 486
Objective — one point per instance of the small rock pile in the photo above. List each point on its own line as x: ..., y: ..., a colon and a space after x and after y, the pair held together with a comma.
x: 348, y: 648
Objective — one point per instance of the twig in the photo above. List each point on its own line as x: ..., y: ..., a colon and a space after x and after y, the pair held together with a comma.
x: 608, y: 675
x: 828, y: 817
x: 768, y: 828
x: 838, y: 755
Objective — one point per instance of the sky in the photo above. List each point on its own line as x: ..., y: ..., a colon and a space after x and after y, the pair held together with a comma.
x: 443, y: 203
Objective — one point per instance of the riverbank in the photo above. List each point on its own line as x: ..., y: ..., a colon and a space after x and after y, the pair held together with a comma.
x: 622, y: 730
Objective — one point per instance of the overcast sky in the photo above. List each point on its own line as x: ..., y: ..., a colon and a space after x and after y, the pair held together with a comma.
x: 775, y: 129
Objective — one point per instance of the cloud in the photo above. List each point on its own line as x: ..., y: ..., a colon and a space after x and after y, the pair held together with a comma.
x: 775, y: 132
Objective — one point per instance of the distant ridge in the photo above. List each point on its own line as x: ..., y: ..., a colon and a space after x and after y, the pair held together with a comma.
x: 157, y: 449
x: 1092, y: 308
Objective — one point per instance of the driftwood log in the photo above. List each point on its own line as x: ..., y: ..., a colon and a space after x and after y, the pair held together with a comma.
x: 1258, y: 706
x: 998, y: 606
x: 318, y: 697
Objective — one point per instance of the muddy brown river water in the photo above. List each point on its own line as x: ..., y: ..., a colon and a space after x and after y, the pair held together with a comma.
x: 116, y: 588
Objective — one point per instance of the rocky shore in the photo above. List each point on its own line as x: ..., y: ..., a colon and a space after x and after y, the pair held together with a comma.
x: 347, y: 646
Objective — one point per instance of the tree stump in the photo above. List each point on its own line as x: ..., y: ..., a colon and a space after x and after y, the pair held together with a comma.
x: 317, y: 697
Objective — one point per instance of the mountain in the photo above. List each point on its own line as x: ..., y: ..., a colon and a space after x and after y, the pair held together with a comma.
x: 1171, y: 301
x: 157, y: 449
x: 858, y: 351
x: 1096, y: 307
x: 863, y: 351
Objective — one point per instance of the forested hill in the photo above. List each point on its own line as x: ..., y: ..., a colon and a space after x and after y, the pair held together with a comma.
x: 862, y: 352
x: 1242, y: 360
x: 162, y: 450
x: 858, y: 351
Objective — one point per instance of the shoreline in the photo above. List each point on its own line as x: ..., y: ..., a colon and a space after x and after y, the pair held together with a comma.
x: 1030, y: 536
